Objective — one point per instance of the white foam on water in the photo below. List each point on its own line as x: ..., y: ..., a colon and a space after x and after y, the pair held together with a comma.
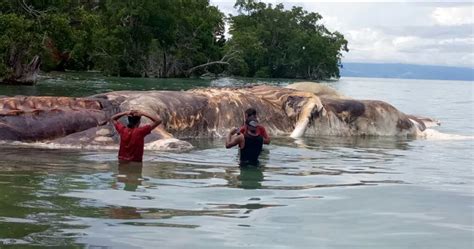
x: 431, y: 134
x: 49, y: 145
x: 433, y: 123
x: 170, y: 144
x: 159, y: 145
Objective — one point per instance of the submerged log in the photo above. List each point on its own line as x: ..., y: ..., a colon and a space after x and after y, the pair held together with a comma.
x: 23, y: 74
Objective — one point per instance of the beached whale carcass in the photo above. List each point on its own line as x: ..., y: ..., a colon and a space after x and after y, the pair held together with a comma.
x: 296, y: 110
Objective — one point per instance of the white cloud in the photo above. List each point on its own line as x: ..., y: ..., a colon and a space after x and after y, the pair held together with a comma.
x: 453, y: 16
x: 405, y: 41
x: 419, y: 32
x: 373, y: 45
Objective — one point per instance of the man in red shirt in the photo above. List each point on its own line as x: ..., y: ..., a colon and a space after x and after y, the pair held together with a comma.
x: 252, y: 113
x: 132, y: 137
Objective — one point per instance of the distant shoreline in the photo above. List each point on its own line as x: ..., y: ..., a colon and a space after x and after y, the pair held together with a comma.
x: 406, y: 71
x: 350, y: 70
x: 393, y: 79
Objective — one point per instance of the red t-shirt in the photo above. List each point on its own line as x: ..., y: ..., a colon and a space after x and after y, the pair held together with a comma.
x: 132, y: 141
x: 260, y: 131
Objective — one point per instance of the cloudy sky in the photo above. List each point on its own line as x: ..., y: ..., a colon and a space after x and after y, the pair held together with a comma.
x: 415, y: 32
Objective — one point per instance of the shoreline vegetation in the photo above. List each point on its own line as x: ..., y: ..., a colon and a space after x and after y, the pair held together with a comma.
x: 165, y: 39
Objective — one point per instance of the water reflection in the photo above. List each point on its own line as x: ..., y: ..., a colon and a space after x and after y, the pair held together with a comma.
x: 130, y: 174
x: 327, y: 142
x: 250, y: 177
x: 75, y: 197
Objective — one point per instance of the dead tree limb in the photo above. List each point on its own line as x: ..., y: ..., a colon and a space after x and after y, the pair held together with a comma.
x: 225, y: 60
x: 29, y: 9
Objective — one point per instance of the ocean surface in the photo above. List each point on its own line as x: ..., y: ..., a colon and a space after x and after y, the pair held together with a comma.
x: 315, y: 192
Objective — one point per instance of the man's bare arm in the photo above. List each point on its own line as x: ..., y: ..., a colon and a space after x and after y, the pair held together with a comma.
x: 263, y: 132
x: 156, y: 121
x: 266, y: 138
x: 119, y: 115
x: 232, y: 139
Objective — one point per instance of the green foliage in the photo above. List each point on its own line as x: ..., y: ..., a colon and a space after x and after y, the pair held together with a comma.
x: 168, y: 38
x: 123, y: 40
x: 158, y: 38
x: 16, y: 34
x: 274, y: 42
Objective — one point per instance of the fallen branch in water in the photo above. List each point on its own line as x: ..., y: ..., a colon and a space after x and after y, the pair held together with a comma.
x: 225, y: 60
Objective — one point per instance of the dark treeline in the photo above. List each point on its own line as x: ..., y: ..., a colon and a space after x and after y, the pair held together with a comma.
x: 165, y: 38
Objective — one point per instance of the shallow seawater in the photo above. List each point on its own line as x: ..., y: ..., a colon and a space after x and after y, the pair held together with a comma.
x: 316, y: 192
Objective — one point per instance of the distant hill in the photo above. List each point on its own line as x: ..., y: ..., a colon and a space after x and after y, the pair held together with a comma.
x: 406, y: 71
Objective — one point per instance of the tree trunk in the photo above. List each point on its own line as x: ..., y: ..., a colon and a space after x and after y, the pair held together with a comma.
x: 23, y: 74
x: 165, y: 69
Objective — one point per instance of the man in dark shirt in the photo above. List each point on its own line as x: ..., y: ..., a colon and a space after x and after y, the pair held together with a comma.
x: 250, y: 143
x: 132, y: 137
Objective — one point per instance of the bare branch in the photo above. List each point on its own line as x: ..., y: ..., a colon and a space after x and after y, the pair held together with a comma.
x: 225, y: 60
x: 207, y: 64
x: 29, y: 9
